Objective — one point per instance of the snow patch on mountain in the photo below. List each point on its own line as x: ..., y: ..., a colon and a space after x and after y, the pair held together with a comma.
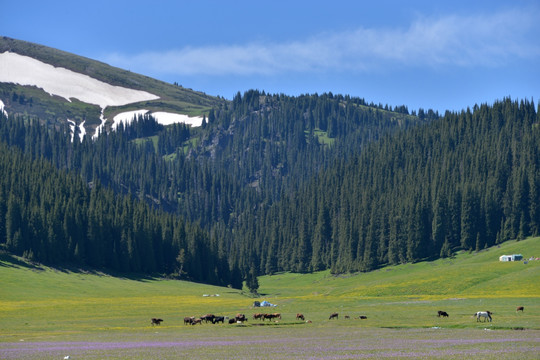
x: 24, y: 70
x: 2, y: 108
x: 166, y: 118
x: 126, y: 117
x: 163, y: 118
x: 27, y: 71
x: 73, y: 126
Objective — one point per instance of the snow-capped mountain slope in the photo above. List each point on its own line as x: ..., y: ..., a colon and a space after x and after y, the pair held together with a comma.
x: 53, y: 85
x: 24, y: 70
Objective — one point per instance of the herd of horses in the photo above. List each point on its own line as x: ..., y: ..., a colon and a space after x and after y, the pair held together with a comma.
x: 261, y: 316
x: 241, y: 318
x: 192, y: 320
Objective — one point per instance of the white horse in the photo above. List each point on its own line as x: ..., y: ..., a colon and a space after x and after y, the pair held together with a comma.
x: 484, y: 314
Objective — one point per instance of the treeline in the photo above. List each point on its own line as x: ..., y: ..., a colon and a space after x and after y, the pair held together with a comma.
x: 52, y: 216
x: 467, y: 181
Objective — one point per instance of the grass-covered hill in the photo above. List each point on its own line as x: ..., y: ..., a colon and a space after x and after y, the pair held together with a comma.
x: 42, y: 302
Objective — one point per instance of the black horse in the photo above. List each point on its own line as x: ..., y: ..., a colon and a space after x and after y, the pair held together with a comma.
x: 217, y: 319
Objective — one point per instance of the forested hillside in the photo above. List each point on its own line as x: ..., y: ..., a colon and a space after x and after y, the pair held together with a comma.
x: 246, y: 156
x: 466, y: 181
x: 273, y: 183
x: 51, y: 216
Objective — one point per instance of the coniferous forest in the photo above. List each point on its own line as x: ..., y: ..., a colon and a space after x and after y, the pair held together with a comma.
x: 272, y: 183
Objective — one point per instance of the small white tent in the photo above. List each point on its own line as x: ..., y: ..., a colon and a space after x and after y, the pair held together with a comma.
x: 514, y: 257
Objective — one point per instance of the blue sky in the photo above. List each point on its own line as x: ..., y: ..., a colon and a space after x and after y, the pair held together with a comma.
x: 424, y: 54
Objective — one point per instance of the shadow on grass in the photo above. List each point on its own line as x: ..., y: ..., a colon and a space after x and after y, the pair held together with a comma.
x: 10, y: 261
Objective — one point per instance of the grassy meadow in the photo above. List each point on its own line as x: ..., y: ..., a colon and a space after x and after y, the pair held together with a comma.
x: 45, y: 308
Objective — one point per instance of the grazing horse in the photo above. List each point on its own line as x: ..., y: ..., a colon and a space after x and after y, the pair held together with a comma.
x: 520, y: 308
x: 217, y: 319
x: 483, y: 314
x: 208, y: 317
x: 258, y: 316
x: 188, y: 320
x: 333, y: 316
x: 270, y: 316
x: 300, y: 317
x: 196, y: 321
x: 442, y: 313
x: 156, y: 321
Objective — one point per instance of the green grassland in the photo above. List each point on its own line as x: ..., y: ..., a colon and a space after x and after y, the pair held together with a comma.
x: 38, y: 302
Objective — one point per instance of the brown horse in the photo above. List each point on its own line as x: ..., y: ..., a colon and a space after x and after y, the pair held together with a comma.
x: 333, y: 316
x: 208, y: 318
x: 271, y: 316
x: 520, y: 308
x: 300, y: 317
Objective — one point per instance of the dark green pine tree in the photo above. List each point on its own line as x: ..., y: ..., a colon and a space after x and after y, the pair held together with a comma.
x: 370, y: 249
x: 446, y: 249
x: 14, y: 239
x: 321, y: 239
x: 2, y: 216
x: 534, y: 203
x: 304, y: 247
x: 395, y: 242
x: 439, y: 226
x: 468, y: 220
x: 252, y: 282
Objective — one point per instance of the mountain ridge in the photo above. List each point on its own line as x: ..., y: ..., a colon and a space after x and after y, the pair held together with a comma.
x: 170, y: 98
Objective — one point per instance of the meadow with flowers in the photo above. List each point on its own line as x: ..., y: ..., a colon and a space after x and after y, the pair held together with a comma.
x: 57, y: 313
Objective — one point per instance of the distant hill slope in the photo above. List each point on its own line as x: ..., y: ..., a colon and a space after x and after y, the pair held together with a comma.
x: 30, y: 100
x: 468, y: 274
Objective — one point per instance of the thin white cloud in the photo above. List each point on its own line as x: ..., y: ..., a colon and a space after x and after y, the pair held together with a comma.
x: 464, y: 41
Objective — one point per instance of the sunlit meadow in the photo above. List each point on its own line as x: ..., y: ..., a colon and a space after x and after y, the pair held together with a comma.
x: 50, y: 314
